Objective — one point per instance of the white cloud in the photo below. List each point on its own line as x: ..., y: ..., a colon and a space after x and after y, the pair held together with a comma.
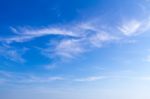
x: 17, y: 38
x: 68, y: 48
x: 47, y: 31
x: 87, y: 26
x: 36, y: 79
x: 133, y: 26
x: 88, y: 79
x: 64, y: 49
x: 130, y: 27
x: 99, y: 38
x: 27, y: 34
x: 14, y: 77
x: 82, y: 36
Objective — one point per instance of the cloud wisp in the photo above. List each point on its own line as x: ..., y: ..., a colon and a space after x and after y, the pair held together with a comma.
x: 68, y: 48
x: 13, y: 78
x: 12, y: 54
x: 134, y: 27
x: 90, y: 79
x: 77, y: 38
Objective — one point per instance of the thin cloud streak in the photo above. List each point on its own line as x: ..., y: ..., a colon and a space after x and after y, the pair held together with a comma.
x: 27, y: 34
x: 13, y: 78
x: 89, y: 79
x: 68, y: 48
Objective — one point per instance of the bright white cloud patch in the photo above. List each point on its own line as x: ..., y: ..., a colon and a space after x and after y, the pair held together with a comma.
x: 27, y: 34
x: 98, y: 39
x: 133, y: 27
x: 12, y: 77
x: 79, y: 37
x: 130, y: 28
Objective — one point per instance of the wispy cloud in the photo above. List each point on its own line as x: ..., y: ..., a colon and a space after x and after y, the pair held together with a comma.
x: 80, y: 36
x: 89, y: 79
x: 26, y: 34
x: 98, y: 39
x: 36, y: 79
x: 11, y: 53
x: 133, y: 27
x: 68, y: 48
x: 130, y: 28
x: 14, y: 77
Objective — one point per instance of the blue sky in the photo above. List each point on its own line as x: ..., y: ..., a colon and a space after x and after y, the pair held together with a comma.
x: 74, y: 49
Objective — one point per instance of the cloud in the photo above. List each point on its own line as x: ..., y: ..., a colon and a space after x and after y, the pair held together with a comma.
x: 98, y: 39
x: 134, y: 27
x: 36, y: 79
x: 17, y: 38
x: 130, y: 28
x: 89, y: 36
x: 77, y: 38
x: 11, y: 53
x: 68, y: 48
x: 88, y: 79
x: 26, y: 34
x: 14, y: 77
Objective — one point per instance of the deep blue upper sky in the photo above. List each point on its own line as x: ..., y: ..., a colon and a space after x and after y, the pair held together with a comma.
x: 45, y: 12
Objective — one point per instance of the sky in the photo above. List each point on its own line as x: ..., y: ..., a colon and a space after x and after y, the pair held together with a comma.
x: 74, y: 49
